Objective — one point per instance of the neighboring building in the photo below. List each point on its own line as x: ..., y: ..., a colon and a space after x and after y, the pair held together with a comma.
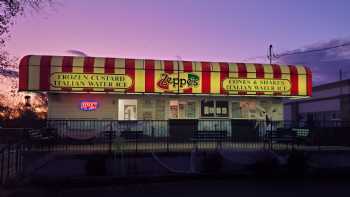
x: 329, y: 103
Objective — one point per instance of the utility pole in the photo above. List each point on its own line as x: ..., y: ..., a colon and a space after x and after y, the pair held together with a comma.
x: 269, y: 56
x: 340, y: 75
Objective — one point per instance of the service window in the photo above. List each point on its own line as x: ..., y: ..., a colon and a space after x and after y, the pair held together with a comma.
x: 221, y: 108
x: 211, y: 108
x: 207, y: 108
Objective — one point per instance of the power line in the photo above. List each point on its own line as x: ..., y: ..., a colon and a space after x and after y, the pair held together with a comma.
x: 276, y: 56
x: 313, y: 50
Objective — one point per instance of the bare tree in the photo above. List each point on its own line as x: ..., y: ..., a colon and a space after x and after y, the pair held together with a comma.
x: 9, y: 9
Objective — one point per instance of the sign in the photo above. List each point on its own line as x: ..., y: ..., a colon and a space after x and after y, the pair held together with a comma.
x: 178, y: 81
x: 87, y: 105
x: 256, y: 85
x: 85, y: 80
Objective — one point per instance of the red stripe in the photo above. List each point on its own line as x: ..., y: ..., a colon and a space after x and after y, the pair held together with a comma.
x: 294, y: 80
x: 23, y: 73
x: 109, y: 65
x: 67, y: 67
x: 130, y: 70
x: 260, y: 74
x: 109, y: 69
x: 224, y: 72
x: 242, y: 73
x: 168, y: 66
x: 45, y: 67
x: 67, y: 64
x: 188, y: 69
x: 205, y: 77
x: 309, y: 81
x: 277, y: 74
x: 88, y: 68
x: 149, y: 75
x: 89, y: 64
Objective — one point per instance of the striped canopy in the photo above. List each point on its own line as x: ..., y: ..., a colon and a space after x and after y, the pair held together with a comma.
x: 120, y: 75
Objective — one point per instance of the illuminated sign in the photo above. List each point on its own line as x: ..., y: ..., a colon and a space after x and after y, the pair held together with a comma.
x: 178, y: 81
x: 256, y: 85
x: 88, y: 105
x: 85, y: 80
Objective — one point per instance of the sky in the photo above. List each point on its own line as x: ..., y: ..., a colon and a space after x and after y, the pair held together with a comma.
x: 206, y: 30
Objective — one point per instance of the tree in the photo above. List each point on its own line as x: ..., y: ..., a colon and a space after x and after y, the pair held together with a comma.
x: 11, y: 104
x: 9, y: 9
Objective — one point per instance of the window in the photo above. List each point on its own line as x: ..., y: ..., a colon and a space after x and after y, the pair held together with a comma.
x: 211, y: 108
x: 236, y: 110
x: 222, y: 108
x: 127, y: 109
x: 207, y: 108
x: 182, y: 109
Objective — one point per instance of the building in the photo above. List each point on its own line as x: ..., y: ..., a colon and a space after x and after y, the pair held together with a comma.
x: 89, y: 88
x: 329, y: 103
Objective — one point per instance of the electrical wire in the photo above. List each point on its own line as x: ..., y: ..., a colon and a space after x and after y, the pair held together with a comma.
x: 276, y: 56
x: 313, y: 50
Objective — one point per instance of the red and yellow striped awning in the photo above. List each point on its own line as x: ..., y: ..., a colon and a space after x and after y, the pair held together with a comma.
x: 96, y: 74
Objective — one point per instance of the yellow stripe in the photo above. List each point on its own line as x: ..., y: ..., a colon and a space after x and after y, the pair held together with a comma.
x: 302, y: 87
x: 268, y: 74
x: 215, y: 78
x: 251, y: 74
x: 119, y: 68
x: 285, y: 75
x: 180, y: 65
x: 233, y: 73
x: 78, y: 63
x: 139, y: 76
x: 34, y: 73
x: 56, y: 66
x: 99, y: 64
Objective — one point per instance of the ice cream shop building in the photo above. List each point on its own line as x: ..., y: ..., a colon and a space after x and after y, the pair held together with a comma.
x: 95, y: 88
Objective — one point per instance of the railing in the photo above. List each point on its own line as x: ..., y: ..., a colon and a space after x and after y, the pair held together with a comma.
x: 11, y: 161
x: 184, y: 135
x: 154, y: 136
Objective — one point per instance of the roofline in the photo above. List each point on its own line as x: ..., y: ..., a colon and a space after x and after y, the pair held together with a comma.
x: 334, y: 84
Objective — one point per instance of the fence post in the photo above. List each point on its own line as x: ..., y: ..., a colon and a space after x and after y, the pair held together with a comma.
x: 8, y: 160
x: 110, y: 137
x: 2, y: 166
x: 137, y: 139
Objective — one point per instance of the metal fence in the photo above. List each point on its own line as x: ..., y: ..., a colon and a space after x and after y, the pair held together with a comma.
x: 11, y: 161
x: 182, y: 135
x: 141, y: 136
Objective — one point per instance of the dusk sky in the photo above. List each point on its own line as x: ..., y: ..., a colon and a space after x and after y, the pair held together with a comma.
x: 211, y: 30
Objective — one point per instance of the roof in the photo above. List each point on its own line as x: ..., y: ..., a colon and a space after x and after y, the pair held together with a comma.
x: 335, y: 84
x: 99, y: 74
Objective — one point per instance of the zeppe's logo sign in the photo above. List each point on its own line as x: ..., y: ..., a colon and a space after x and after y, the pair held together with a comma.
x: 178, y: 81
